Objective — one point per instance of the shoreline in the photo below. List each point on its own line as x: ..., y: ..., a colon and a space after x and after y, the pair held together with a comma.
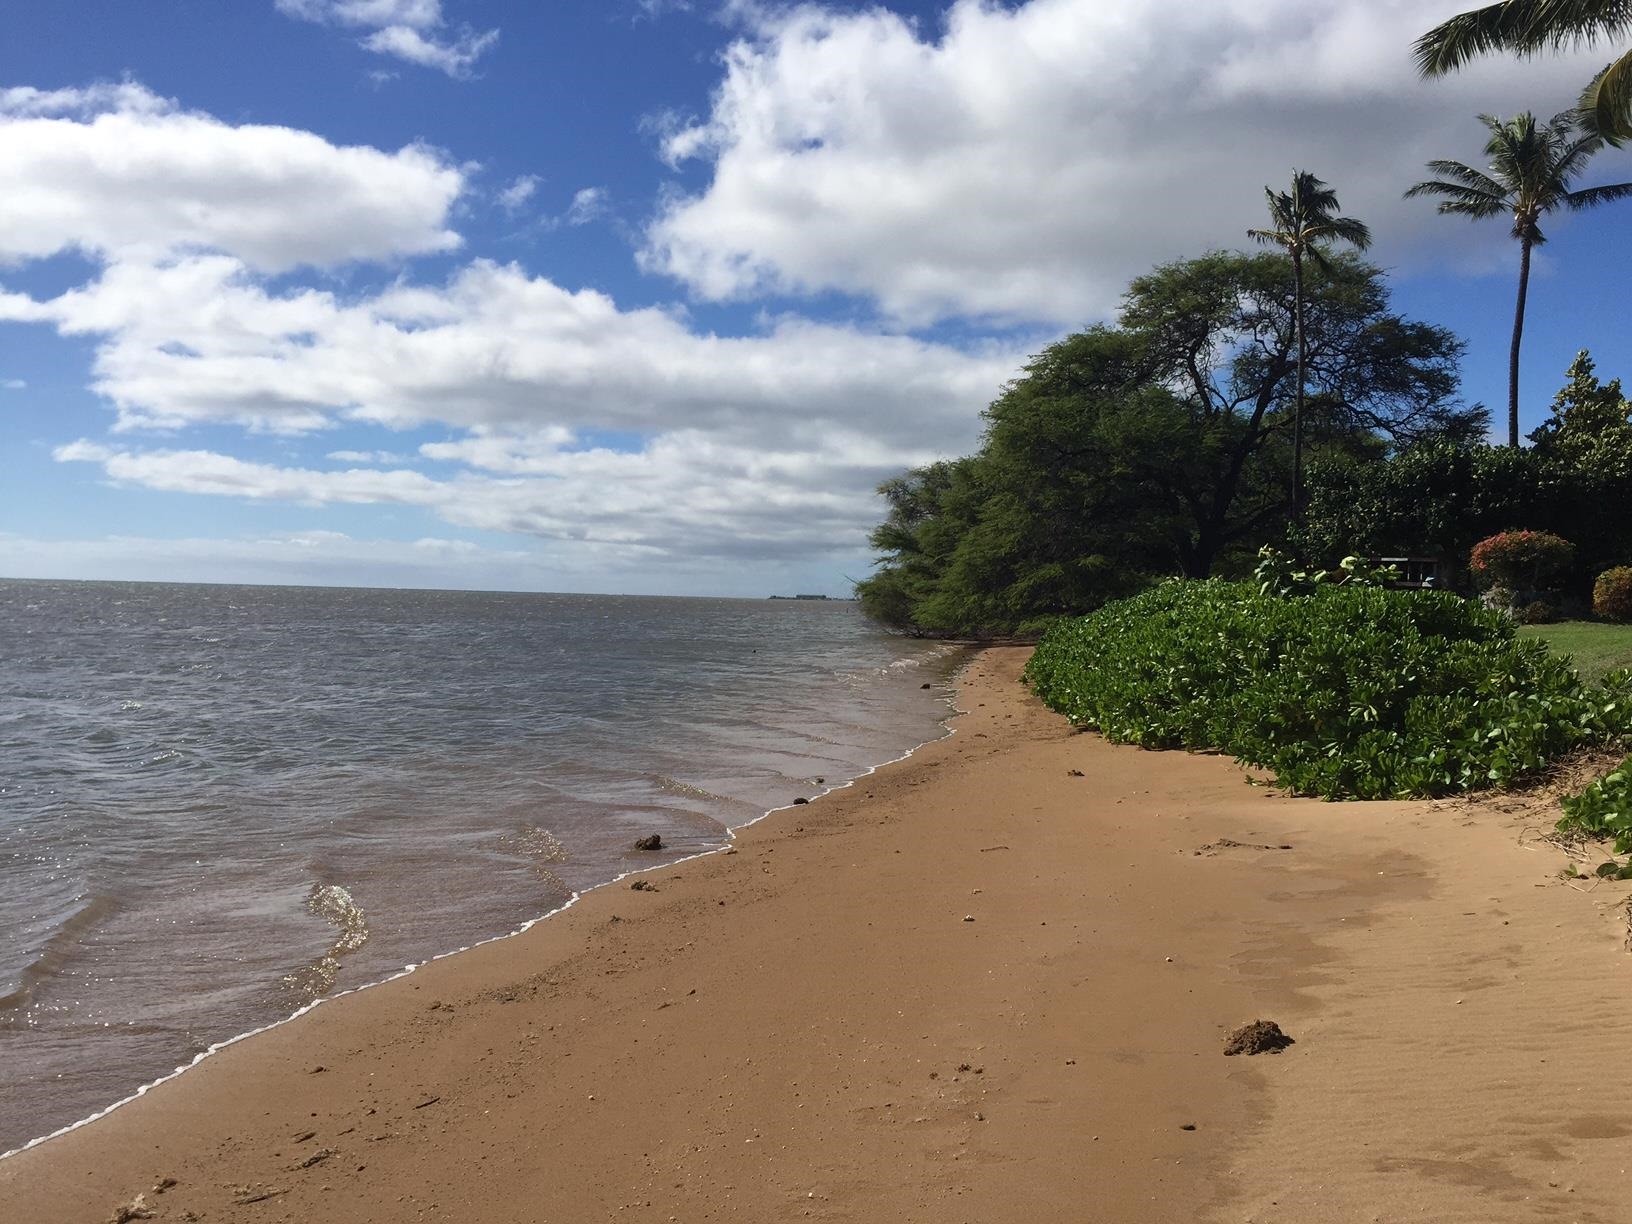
x: 945, y: 722
x: 990, y: 983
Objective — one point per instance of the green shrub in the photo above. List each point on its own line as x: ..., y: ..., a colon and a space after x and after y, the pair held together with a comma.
x: 1612, y: 594
x: 1523, y: 560
x: 1603, y: 809
x: 1344, y: 692
x: 1277, y: 574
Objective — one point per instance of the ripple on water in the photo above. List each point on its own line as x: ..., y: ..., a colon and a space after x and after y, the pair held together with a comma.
x: 249, y: 770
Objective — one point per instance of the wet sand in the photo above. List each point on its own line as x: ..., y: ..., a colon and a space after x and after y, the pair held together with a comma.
x: 988, y: 983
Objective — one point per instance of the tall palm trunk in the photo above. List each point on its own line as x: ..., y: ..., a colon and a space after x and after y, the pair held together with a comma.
x: 1513, y: 353
x: 1297, y: 411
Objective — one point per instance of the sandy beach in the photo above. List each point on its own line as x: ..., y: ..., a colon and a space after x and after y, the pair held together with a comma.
x: 991, y: 982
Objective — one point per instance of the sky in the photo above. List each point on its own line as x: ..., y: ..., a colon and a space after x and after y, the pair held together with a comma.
x: 648, y: 296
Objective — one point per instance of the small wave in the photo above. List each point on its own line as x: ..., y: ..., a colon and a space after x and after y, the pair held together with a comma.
x: 673, y: 786
x: 535, y: 842
x: 57, y: 950
x: 932, y: 654
x: 684, y: 790
x: 335, y: 905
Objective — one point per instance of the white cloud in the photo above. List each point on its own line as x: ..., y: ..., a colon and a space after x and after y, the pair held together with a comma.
x: 201, y: 340
x: 14, y: 384
x: 418, y: 14
x: 410, y: 30
x: 653, y: 9
x: 514, y: 196
x: 133, y: 177
x: 194, y: 471
x: 753, y: 447
x: 367, y: 456
x: 688, y: 495
x: 454, y: 58
x: 1026, y: 160
x: 587, y: 205
x: 25, y: 101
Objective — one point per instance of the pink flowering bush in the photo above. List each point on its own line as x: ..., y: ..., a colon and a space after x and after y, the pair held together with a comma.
x: 1521, y: 560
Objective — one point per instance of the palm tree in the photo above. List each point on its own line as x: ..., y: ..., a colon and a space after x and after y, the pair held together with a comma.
x: 1531, y: 168
x: 1303, y: 220
x: 1528, y: 26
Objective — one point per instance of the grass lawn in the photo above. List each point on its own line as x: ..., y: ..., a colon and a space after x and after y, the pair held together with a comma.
x: 1597, y: 648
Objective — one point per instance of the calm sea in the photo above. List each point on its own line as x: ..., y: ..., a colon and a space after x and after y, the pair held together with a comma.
x: 218, y: 803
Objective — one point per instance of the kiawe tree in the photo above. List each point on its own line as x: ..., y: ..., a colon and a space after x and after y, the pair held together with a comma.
x: 1531, y: 169
x: 1526, y: 27
x: 1303, y: 220
x: 1159, y: 446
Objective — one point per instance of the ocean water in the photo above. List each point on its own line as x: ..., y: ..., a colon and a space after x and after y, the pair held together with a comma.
x: 219, y: 803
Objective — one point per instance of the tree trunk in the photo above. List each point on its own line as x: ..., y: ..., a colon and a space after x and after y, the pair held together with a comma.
x: 1513, y: 353
x: 1196, y: 560
x: 1297, y: 411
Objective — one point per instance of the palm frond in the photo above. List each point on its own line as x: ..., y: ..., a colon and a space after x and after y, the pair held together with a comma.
x: 1606, y: 104
x: 1478, y: 180
x: 1574, y: 155
x: 1452, y: 43
x: 1558, y: 25
x: 1464, y: 201
x: 1591, y: 197
x: 1520, y: 26
x: 1344, y: 229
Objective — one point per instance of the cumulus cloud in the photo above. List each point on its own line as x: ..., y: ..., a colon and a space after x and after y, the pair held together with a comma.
x: 758, y: 447
x: 1024, y: 161
x: 201, y: 340
x: 685, y: 496
x: 120, y: 173
x: 409, y: 30
x: 25, y: 101
x: 764, y: 445
x: 194, y: 471
x: 514, y: 196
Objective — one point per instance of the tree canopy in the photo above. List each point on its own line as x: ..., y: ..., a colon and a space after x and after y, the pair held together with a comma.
x: 1161, y: 445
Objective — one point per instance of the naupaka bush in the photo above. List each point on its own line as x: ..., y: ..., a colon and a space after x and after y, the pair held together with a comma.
x: 1345, y: 691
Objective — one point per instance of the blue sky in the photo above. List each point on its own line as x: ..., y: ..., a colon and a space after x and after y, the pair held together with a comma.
x: 648, y: 296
